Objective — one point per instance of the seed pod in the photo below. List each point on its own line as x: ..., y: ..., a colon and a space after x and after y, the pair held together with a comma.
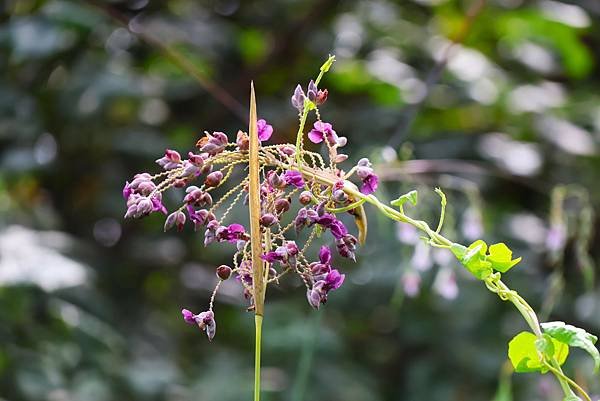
x: 223, y: 272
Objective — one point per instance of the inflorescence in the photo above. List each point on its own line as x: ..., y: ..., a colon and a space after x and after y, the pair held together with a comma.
x: 301, y: 197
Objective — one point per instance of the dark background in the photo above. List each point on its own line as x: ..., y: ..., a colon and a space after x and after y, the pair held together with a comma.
x: 90, y: 304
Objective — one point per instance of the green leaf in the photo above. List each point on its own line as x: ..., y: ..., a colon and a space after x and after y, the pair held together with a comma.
x: 572, y: 398
x: 501, y: 257
x: 524, y: 356
x: 575, y: 337
x: 475, y: 260
x: 411, y: 197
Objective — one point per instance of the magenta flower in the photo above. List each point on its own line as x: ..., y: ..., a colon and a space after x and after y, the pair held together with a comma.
x: 321, y: 131
x: 264, y: 130
x: 369, y: 184
x: 232, y: 233
x: 325, y: 255
x: 127, y: 190
x: 157, y: 206
x: 293, y: 177
x: 204, y: 320
x: 334, y: 280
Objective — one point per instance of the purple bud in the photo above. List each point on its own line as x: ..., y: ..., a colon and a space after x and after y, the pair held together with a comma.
x: 268, y: 219
x: 340, y: 158
x: 298, y: 98
x: 311, y: 92
x: 339, y: 196
x: 305, y: 197
x: 282, y: 205
x: 223, y: 272
x: 176, y: 218
x: 325, y: 255
x: 213, y: 179
x: 242, y: 141
x: 314, y: 298
x: 275, y: 180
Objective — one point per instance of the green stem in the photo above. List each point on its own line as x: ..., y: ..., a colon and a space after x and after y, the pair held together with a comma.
x: 257, y: 344
x: 494, y: 283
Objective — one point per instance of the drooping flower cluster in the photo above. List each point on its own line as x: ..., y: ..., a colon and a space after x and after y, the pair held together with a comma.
x: 301, y: 197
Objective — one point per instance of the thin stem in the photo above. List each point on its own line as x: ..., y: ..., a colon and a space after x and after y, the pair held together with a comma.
x: 257, y: 351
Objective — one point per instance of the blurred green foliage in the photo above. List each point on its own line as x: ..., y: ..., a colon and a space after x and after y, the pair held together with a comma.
x: 90, y: 304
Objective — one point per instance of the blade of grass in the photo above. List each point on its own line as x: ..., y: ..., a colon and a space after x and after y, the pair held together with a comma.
x: 258, y: 267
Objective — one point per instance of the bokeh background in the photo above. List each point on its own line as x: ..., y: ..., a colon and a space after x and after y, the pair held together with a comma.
x: 506, y: 120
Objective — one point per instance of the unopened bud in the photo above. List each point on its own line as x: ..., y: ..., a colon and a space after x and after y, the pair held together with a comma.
x: 268, y: 219
x: 341, y: 158
x: 242, y: 141
x: 223, y: 272
x: 282, y: 205
x: 305, y: 197
x: 213, y: 179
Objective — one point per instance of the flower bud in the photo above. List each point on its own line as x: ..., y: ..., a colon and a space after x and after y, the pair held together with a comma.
x: 242, y: 141
x: 268, y: 219
x: 287, y: 150
x: 305, y: 197
x: 341, y: 141
x: 223, y: 272
x: 340, y: 158
x: 311, y: 92
x: 282, y: 205
x: 314, y: 298
x: 176, y: 218
x: 213, y: 179
x: 339, y: 196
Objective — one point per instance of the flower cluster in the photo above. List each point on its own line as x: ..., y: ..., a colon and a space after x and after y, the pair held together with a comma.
x: 301, y: 197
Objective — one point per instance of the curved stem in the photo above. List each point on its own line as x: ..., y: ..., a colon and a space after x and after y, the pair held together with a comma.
x: 257, y: 351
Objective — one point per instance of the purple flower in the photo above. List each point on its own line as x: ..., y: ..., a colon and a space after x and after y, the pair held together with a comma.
x: 346, y: 246
x: 321, y: 131
x: 157, y: 206
x: 293, y: 177
x: 328, y: 220
x: 298, y: 98
x: 334, y: 280
x: 369, y: 184
x: 232, y: 233
x: 188, y: 316
x: 325, y: 255
x: 264, y: 130
x: 204, y: 320
x: 127, y: 190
